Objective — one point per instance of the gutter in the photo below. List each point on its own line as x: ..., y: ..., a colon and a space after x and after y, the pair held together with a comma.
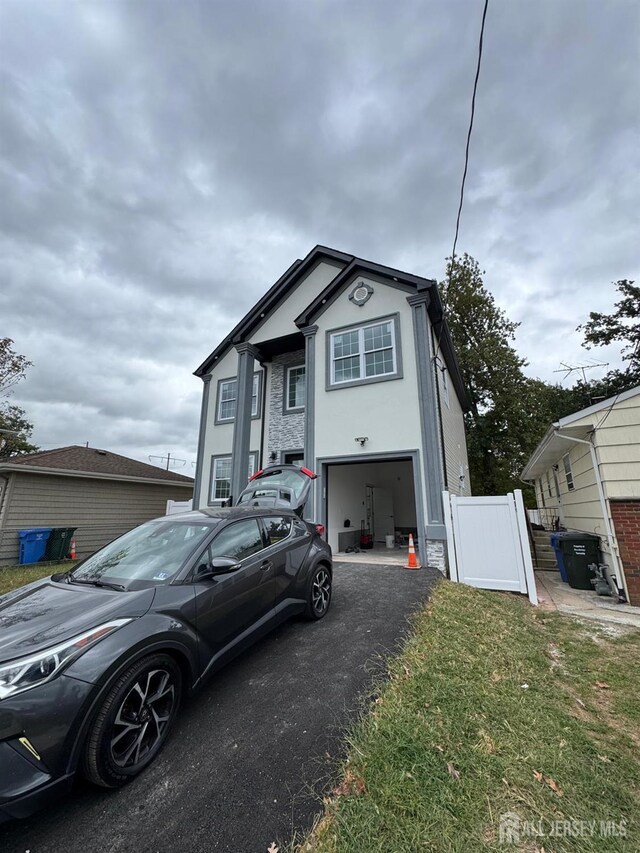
x: 90, y: 475
x: 621, y: 591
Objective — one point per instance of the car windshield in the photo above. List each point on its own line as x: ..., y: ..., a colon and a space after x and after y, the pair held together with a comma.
x: 149, y: 555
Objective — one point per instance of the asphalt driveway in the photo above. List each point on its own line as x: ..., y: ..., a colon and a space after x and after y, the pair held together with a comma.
x: 251, y: 754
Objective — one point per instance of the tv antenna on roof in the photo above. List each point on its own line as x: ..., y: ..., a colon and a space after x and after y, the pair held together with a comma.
x: 169, y: 459
x: 568, y: 369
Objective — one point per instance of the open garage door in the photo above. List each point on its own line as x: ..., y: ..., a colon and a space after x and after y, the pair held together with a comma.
x: 377, y: 496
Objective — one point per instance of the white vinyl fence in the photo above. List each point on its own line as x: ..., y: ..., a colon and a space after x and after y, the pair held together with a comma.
x: 488, y: 543
x: 174, y: 507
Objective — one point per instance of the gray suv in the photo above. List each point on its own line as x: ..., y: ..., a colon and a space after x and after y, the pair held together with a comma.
x: 94, y: 662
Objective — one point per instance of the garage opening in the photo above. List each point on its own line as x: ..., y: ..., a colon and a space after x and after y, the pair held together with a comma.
x: 375, y: 497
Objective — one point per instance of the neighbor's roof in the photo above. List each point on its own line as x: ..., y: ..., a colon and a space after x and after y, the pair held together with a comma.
x: 92, y: 462
x: 347, y: 266
x: 578, y: 425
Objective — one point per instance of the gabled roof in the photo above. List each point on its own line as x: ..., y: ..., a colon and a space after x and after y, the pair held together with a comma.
x: 88, y: 462
x: 602, y: 406
x: 350, y: 266
x: 553, y: 446
x: 270, y: 301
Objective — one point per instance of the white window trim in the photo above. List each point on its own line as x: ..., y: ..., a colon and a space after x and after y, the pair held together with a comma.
x: 215, y: 460
x: 287, y: 407
x: 396, y: 350
x: 255, y: 410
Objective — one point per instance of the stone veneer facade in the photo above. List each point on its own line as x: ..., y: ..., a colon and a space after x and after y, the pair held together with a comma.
x: 626, y: 520
x: 286, y: 430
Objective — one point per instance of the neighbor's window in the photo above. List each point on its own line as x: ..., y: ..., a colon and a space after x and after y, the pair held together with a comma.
x: 568, y: 472
x: 295, y: 388
x: 227, y: 395
x: 364, y: 353
x: 221, y: 476
x: 445, y: 386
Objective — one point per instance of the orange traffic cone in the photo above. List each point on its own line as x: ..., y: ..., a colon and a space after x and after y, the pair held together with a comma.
x: 412, y: 562
x: 72, y: 548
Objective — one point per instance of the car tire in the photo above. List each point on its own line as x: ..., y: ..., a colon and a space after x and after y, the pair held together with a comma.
x: 133, y: 721
x: 319, y: 594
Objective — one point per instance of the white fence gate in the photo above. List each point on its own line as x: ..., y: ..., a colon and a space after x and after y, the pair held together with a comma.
x: 488, y: 543
x: 174, y: 507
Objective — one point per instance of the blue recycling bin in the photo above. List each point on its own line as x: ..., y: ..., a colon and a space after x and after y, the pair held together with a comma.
x: 555, y: 544
x: 33, y: 543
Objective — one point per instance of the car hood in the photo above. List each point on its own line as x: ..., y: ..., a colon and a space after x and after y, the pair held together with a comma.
x: 45, y: 613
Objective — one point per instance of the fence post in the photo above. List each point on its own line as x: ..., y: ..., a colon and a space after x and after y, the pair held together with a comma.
x: 524, y: 547
x: 451, y: 546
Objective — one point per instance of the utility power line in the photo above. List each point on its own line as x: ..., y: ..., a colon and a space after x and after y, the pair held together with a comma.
x: 473, y: 110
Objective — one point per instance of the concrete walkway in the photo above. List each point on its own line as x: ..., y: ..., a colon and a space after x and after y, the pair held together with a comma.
x: 377, y: 556
x: 554, y: 594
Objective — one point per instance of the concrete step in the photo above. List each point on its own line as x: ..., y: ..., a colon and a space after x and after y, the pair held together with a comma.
x: 546, y: 563
x: 544, y: 550
x: 541, y: 535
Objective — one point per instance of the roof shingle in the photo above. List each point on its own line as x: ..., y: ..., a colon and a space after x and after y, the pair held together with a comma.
x: 90, y: 460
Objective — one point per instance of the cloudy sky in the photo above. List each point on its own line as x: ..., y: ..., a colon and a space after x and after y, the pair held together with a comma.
x: 163, y: 161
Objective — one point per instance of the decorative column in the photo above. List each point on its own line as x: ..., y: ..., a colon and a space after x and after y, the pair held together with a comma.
x: 309, y: 333
x: 197, y: 485
x: 430, y: 428
x: 242, y: 423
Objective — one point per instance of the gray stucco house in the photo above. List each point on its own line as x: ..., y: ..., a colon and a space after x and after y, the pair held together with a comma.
x: 103, y: 494
x: 348, y: 367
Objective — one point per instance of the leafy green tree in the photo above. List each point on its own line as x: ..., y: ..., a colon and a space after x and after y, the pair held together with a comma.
x: 509, y: 411
x: 15, y: 430
x: 622, y: 326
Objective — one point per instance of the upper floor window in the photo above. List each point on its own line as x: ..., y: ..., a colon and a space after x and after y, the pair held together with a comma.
x: 568, y: 472
x: 366, y: 353
x: 227, y: 396
x: 296, y: 388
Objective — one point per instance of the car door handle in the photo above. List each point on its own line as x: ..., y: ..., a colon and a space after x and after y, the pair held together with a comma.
x: 266, y: 565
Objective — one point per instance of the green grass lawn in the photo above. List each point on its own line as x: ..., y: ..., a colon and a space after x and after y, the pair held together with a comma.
x: 494, y: 707
x: 14, y: 576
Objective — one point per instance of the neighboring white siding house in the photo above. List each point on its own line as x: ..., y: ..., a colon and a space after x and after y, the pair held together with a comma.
x: 586, y: 473
x: 336, y: 367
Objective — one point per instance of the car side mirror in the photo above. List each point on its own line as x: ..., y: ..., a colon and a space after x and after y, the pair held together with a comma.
x: 218, y: 566
x: 224, y: 565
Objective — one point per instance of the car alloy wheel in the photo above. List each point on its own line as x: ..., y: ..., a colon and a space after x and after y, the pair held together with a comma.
x: 321, y: 592
x: 133, y: 721
x: 144, y: 714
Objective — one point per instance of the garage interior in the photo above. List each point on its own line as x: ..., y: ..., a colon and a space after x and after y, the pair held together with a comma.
x: 379, y: 496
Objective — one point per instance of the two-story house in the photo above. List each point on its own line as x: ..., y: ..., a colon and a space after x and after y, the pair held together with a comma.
x: 347, y: 367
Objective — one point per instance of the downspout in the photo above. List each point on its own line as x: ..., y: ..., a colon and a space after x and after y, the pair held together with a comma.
x: 611, y: 540
x: 435, y: 360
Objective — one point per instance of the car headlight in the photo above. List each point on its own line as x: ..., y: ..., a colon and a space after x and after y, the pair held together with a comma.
x: 24, y: 673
